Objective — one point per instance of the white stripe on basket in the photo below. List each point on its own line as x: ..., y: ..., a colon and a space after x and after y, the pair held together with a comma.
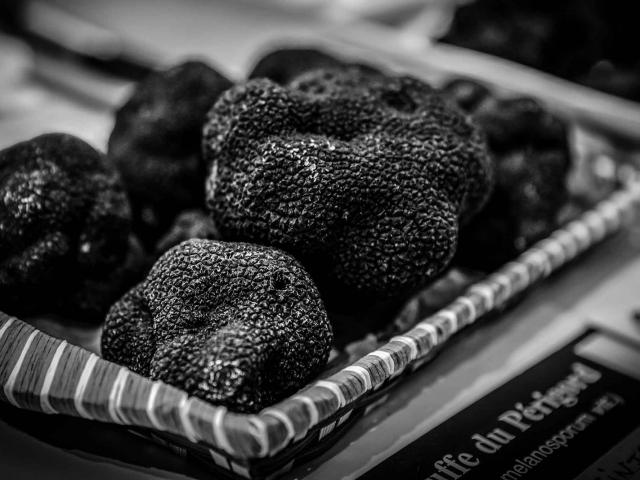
x: 82, y: 386
x: 48, y: 378
x: 314, y: 415
x: 4, y: 327
x: 219, y: 433
x: 567, y: 242
x: 473, y: 313
x: 486, y: 292
x: 284, y: 418
x: 115, y: 396
x: 430, y: 329
x: 324, y: 431
x: 387, y: 359
x: 504, y: 281
x: 611, y: 214
x: 410, y: 342
x: 555, y: 249
x: 9, y: 386
x: 522, y: 270
x: 362, y: 373
x: 260, y: 433
x: 344, y: 418
x: 581, y: 233
x: 597, y: 225
x: 240, y: 469
x: 151, y: 412
x: 333, y: 387
x: 183, y: 413
x: 451, y: 317
x: 541, y: 258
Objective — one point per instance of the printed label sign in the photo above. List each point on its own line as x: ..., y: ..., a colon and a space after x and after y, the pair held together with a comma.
x: 575, y: 414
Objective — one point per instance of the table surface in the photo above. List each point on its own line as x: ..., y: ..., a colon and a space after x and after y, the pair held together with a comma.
x: 600, y: 288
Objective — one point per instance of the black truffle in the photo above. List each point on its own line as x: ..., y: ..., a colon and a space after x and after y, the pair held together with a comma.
x: 65, y: 243
x: 532, y: 160
x: 362, y: 176
x: 283, y: 65
x: 187, y: 225
x: 235, y: 324
x: 156, y: 143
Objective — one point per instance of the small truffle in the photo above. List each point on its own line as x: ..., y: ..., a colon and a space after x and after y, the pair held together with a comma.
x: 361, y: 176
x: 189, y: 224
x: 65, y: 243
x: 156, y: 144
x: 532, y: 160
x: 283, y: 65
x: 235, y: 324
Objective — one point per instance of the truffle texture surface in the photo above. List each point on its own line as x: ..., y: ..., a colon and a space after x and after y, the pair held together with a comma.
x: 65, y: 243
x: 156, y: 143
x: 235, y: 324
x: 532, y: 160
x: 363, y: 177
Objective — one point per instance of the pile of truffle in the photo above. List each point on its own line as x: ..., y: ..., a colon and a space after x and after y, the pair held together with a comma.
x: 229, y: 225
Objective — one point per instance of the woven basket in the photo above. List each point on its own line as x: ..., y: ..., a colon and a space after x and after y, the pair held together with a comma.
x: 42, y: 373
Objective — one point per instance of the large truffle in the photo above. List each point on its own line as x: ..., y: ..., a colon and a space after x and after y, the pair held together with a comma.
x: 65, y: 244
x: 530, y: 150
x: 363, y: 177
x: 156, y: 143
x: 235, y: 324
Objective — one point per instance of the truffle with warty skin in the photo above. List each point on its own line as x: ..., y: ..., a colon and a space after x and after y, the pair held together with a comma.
x: 234, y: 324
x: 65, y: 230
x: 530, y: 148
x: 363, y: 177
x: 156, y: 144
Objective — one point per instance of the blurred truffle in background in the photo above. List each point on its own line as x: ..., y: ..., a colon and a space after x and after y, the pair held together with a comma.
x: 530, y: 151
x: 156, y: 145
